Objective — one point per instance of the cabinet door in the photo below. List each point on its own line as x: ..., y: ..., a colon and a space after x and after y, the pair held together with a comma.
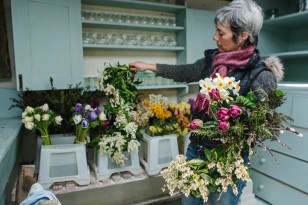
x: 200, y: 30
x: 47, y: 43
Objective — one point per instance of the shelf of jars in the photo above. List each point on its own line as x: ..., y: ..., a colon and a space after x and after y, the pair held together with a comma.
x: 130, y: 26
x: 289, y: 21
x: 167, y: 6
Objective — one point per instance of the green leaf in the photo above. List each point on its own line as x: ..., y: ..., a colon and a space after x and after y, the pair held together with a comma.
x: 195, y: 162
x: 207, y: 154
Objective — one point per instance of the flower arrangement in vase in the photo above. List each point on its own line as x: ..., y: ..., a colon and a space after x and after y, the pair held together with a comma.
x: 159, y: 117
x: 39, y: 119
x: 241, y: 124
x: 123, y: 132
x: 85, y: 118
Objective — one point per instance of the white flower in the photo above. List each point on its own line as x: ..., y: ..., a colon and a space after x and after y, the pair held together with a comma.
x: 45, y: 117
x: 37, y: 117
x: 45, y: 107
x: 29, y: 125
x: 131, y: 129
x: 102, y: 117
x: 77, y: 119
x: 87, y: 107
x: 27, y: 119
x: 29, y: 109
x: 58, y: 120
x: 133, y: 145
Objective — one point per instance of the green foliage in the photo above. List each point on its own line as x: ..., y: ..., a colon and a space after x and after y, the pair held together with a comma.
x: 60, y: 101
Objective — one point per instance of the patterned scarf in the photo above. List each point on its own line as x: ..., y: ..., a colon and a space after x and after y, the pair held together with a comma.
x: 224, y: 63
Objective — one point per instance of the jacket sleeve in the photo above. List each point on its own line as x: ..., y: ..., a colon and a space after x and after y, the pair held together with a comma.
x: 266, y: 81
x: 184, y: 73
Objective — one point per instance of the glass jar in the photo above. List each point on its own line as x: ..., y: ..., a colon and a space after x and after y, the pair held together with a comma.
x: 91, y: 16
x: 88, y: 38
x: 128, y: 19
x: 135, y: 19
x: 117, y: 39
x: 119, y: 18
x: 159, y: 21
x: 101, y: 16
x: 158, y: 41
x: 84, y: 15
x: 145, y: 40
x: 131, y: 39
x: 170, y: 41
x: 102, y: 38
x: 110, y: 17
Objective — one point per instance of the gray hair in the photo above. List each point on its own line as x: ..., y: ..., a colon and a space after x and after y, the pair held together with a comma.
x: 242, y: 16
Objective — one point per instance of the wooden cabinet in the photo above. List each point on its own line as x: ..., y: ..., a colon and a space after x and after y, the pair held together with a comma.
x: 285, y: 183
x: 47, y: 43
x: 285, y: 36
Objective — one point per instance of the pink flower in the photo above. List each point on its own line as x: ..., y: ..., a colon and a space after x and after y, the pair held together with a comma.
x: 214, y: 94
x: 223, y: 114
x: 223, y: 125
x: 235, y: 111
x: 196, y: 124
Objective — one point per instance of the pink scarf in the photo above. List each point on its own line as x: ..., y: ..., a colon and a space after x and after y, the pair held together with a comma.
x: 224, y: 63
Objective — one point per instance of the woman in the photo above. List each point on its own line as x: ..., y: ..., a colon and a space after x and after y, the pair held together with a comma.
x: 237, y: 27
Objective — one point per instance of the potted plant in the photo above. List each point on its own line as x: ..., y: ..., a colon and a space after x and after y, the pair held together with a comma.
x: 118, y: 146
x: 39, y: 119
x: 160, y: 128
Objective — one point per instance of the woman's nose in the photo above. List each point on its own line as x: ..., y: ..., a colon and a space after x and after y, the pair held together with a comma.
x: 215, y: 37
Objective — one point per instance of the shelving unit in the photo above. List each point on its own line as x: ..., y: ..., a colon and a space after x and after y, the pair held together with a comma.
x: 285, y: 37
x: 176, y: 9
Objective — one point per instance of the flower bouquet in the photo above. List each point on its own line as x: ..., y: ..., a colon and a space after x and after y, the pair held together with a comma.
x: 155, y: 116
x: 85, y: 117
x: 240, y: 124
x: 123, y: 132
x: 40, y: 118
x: 181, y: 117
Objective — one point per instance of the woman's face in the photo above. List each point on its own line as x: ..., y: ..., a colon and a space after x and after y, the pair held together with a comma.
x: 224, y: 39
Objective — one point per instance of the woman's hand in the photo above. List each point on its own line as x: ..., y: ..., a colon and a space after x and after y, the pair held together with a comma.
x: 141, y: 66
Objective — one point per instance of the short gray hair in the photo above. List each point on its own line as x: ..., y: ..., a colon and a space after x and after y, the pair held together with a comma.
x: 242, y: 16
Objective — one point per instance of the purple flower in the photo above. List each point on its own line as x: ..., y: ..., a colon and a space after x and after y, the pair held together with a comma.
x: 192, y: 103
x: 223, y: 125
x: 84, y: 123
x: 234, y: 111
x: 223, y: 114
x: 97, y: 111
x: 78, y: 107
x: 214, y: 94
x: 93, y: 116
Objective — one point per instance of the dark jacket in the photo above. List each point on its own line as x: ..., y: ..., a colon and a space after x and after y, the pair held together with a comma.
x: 255, y: 75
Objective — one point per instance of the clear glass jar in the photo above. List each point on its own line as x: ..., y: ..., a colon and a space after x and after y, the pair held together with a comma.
x: 158, y: 41
x: 159, y: 21
x: 117, y: 39
x: 88, y: 38
x: 170, y: 41
x: 131, y: 39
x: 135, y: 19
x: 92, y: 16
x: 110, y: 17
x: 119, y: 18
x: 102, y: 38
x: 128, y: 19
x: 84, y: 15
x: 145, y: 40
x: 101, y: 16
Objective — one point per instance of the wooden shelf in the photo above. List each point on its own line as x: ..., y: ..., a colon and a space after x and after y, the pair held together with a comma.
x: 289, y: 55
x: 126, y: 47
x: 154, y: 6
x: 130, y: 26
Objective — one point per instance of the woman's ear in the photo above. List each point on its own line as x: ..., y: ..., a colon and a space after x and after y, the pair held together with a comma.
x: 243, y: 37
